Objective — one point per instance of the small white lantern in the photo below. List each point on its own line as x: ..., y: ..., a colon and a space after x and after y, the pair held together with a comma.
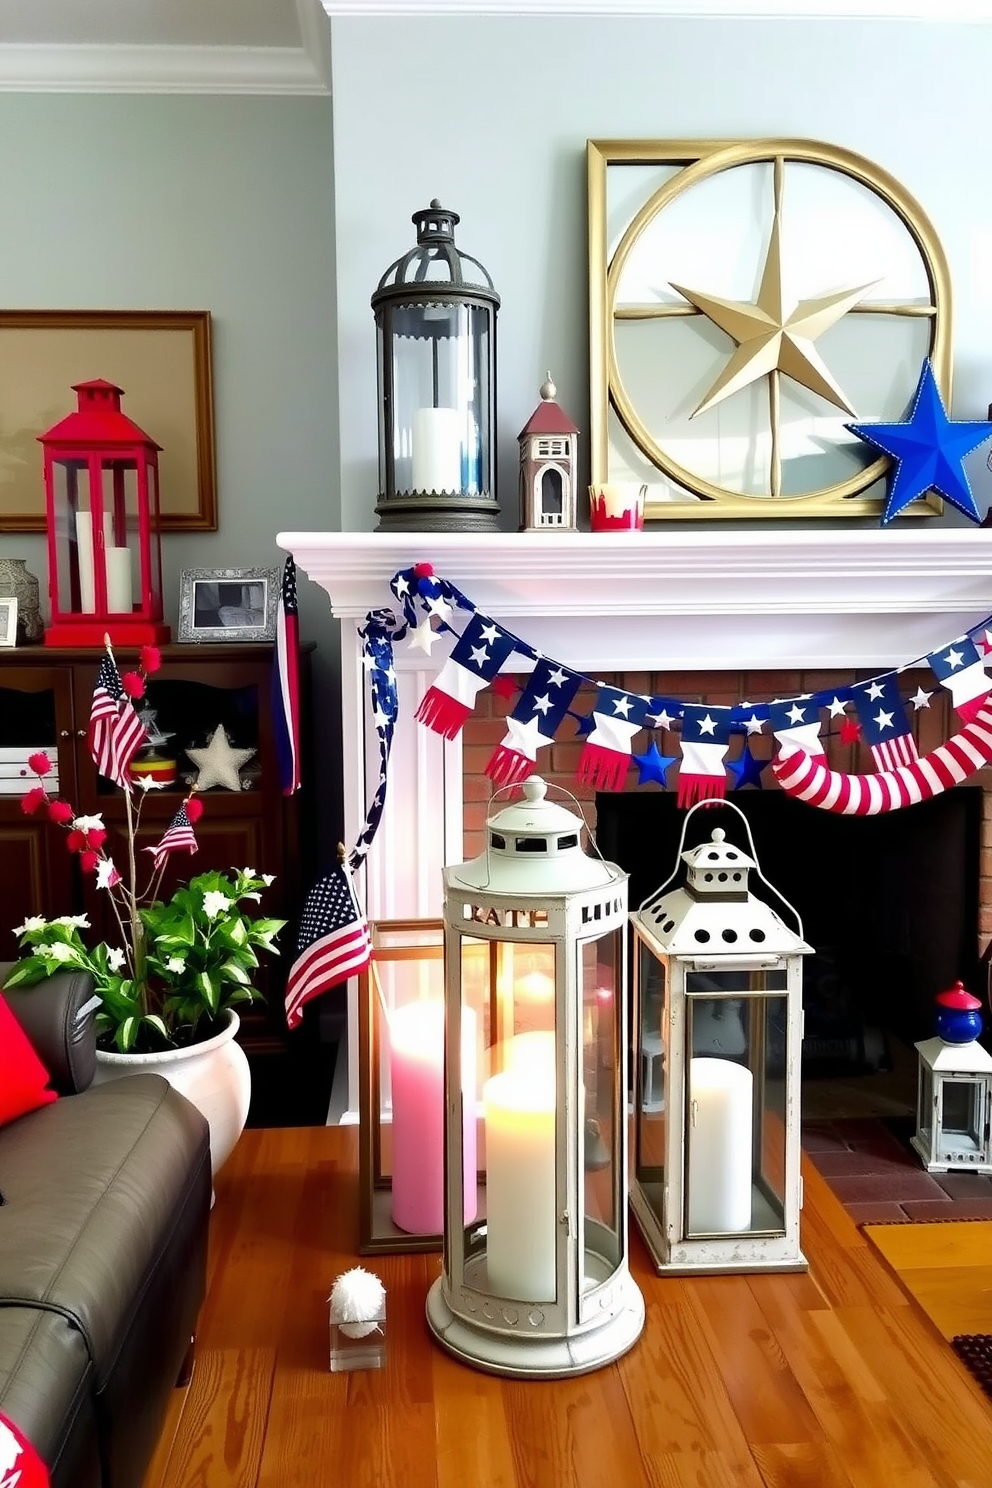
x: 537, y: 1285
x: 954, y: 1093
x: 717, y: 1005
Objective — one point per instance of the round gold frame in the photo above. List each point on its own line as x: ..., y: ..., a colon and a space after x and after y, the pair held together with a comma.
x: 704, y: 161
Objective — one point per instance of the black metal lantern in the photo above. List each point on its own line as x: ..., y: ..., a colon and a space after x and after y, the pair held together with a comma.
x: 435, y: 315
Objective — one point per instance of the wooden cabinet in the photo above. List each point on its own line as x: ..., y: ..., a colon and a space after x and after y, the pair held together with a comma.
x: 45, y: 699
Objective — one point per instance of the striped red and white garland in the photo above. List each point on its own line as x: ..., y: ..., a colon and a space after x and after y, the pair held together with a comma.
x: 808, y: 779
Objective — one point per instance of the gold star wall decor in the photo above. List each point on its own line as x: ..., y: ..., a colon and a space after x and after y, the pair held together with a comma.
x: 731, y: 404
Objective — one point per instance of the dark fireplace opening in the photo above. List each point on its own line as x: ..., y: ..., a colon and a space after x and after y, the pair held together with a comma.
x: 889, y: 903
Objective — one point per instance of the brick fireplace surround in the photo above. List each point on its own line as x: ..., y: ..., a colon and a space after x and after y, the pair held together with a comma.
x: 704, y: 614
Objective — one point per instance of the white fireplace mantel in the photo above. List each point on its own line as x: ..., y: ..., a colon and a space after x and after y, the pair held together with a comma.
x: 656, y: 600
x: 687, y: 599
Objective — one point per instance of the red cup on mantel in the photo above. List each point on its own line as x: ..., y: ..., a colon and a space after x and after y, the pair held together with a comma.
x: 617, y: 506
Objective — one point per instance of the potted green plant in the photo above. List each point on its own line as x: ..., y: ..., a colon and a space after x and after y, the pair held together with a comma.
x: 169, y: 989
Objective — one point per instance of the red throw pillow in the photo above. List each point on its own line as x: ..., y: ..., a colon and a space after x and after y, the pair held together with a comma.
x: 23, y: 1077
x: 19, y: 1462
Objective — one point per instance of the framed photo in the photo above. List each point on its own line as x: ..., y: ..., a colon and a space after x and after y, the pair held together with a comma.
x: 161, y: 359
x: 8, y: 622
x: 228, y: 604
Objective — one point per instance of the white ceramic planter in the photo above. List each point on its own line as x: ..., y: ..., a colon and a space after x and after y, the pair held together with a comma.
x: 213, y: 1075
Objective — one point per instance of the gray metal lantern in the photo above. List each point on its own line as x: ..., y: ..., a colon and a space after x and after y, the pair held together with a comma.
x: 535, y: 1279
x: 717, y: 1009
x: 435, y: 314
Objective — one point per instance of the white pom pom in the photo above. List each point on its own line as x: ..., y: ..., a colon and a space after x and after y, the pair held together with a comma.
x: 356, y: 1296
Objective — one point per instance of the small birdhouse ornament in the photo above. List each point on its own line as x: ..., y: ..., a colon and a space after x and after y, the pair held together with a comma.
x: 548, y: 458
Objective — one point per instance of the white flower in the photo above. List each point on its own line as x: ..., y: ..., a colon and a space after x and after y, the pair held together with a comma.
x: 147, y: 783
x: 214, y: 903
x: 115, y: 958
x: 33, y: 922
x: 105, y: 872
x: 88, y: 823
x: 175, y: 963
x: 248, y: 872
x: 80, y: 921
x: 268, y: 878
x: 57, y: 951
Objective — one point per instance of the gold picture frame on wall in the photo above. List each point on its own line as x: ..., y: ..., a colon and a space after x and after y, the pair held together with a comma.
x: 162, y: 361
x: 747, y: 298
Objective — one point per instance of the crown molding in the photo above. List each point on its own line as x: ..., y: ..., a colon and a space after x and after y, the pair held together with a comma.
x: 973, y: 11
x: 303, y: 70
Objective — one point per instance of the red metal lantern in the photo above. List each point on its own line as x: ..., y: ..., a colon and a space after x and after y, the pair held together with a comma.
x: 104, y: 552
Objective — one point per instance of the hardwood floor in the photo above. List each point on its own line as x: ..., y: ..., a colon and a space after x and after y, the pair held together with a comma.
x: 947, y: 1268
x: 835, y: 1379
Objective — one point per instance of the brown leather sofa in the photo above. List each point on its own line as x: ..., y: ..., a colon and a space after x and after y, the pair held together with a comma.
x: 103, y: 1242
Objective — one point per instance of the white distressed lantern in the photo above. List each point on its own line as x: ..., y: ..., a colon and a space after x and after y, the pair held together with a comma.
x: 548, y: 467
x: 537, y: 1285
x: 717, y: 1009
x: 954, y: 1091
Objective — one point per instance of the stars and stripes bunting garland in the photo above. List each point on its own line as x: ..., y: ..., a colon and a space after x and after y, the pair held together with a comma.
x: 286, y: 682
x: 885, y: 726
x: 484, y: 654
x: 539, y: 712
x: 810, y: 780
x: 959, y: 668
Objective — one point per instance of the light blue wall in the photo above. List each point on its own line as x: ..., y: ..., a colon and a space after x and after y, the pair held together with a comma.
x: 492, y: 116
x: 199, y: 203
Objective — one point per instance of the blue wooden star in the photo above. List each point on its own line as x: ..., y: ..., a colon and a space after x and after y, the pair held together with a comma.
x: 746, y: 769
x: 928, y: 448
x: 653, y: 765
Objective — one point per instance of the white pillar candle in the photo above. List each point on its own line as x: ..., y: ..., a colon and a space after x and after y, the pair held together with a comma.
x: 117, y: 567
x: 118, y: 573
x: 437, y: 450
x: 416, y: 1070
x: 719, y: 1137
x: 519, y: 1105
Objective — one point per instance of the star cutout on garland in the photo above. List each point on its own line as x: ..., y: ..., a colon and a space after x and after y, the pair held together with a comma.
x: 219, y: 763
x: 653, y: 765
x: 850, y: 731
x: 504, y: 686
x: 928, y: 449
x: 583, y: 724
x: 747, y: 768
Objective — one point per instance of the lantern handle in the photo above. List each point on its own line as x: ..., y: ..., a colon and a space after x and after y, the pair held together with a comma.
x: 709, y: 802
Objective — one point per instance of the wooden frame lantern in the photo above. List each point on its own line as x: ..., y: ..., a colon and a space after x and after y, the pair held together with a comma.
x: 717, y: 1011
x: 102, y: 507
x: 535, y: 1279
x: 435, y: 314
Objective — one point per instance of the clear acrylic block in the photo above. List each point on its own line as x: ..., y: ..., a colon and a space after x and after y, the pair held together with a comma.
x: 358, y: 1345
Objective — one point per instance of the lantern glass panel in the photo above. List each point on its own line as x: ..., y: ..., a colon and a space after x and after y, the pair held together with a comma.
x: 599, y: 979
x: 154, y: 548
x: 508, y: 1003
x: 735, y: 1121
x: 962, y: 1117
x: 121, y: 526
x: 440, y: 397
x: 71, y: 492
x: 651, y: 1115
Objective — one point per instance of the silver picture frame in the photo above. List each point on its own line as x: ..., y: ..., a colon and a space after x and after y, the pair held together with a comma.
x: 8, y: 622
x: 228, y: 604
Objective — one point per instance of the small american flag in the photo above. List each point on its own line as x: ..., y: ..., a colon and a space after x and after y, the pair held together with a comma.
x: 885, y: 726
x: 178, y: 834
x: 334, y: 942
x: 116, y: 732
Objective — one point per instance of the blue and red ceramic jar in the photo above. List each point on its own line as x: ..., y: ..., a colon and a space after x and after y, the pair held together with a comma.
x: 959, y: 1017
